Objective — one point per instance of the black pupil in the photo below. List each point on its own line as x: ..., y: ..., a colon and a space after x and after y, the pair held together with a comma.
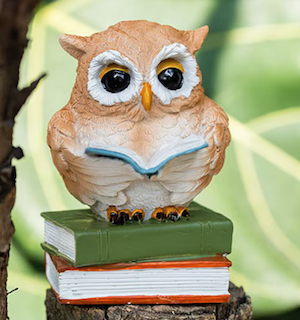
x: 171, y: 78
x: 115, y: 81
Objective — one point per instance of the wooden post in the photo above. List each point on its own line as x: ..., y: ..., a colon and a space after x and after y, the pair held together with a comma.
x: 15, y: 16
x: 239, y: 308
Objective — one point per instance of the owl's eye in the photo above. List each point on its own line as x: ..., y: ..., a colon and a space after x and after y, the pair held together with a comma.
x: 115, y: 78
x: 171, y: 78
x: 170, y: 74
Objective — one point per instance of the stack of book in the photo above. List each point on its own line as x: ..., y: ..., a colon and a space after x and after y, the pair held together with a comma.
x: 89, y: 261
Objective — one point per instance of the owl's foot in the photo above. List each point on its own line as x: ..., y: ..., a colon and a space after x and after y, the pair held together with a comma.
x: 117, y: 216
x: 124, y: 215
x: 170, y: 213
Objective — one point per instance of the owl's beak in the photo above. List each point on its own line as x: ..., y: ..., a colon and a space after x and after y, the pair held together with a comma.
x: 146, y: 94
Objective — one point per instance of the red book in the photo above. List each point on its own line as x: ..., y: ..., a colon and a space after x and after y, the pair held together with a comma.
x: 203, y: 280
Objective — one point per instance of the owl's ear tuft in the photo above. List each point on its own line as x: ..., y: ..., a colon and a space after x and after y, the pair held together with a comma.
x: 76, y: 46
x: 197, y: 37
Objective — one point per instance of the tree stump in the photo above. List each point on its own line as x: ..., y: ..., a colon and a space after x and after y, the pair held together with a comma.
x: 15, y: 16
x: 239, y: 308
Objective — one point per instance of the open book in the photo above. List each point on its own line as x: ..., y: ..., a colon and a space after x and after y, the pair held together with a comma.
x: 158, y: 160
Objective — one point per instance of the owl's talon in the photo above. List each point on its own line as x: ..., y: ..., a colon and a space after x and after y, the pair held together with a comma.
x: 184, y: 212
x: 114, y: 218
x: 112, y: 215
x: 158, y: 214
x: 173, y: 216
x: 138, y: 215
x: 171, y: 213
x: 124, y: 215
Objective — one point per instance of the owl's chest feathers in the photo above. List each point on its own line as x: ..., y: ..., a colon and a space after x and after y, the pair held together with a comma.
x: 145, y: 137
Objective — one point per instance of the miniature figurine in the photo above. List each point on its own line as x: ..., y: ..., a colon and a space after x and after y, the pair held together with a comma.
x: 138, y: 138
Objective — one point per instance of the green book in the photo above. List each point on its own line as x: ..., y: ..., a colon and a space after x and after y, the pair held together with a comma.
x: 81, y: 239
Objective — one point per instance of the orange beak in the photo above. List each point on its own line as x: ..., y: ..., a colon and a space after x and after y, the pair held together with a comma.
x: 146, y: 94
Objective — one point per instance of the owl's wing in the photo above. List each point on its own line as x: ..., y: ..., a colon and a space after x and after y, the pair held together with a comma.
x: 187, y: 175
x: 88, y: 179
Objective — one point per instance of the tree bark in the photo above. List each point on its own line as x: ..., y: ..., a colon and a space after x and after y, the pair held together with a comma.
x: 15, y: 16
x: 239, y: 308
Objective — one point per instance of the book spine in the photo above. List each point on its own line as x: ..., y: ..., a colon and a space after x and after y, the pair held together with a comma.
x: 104, y: 245
x: 92, y: 247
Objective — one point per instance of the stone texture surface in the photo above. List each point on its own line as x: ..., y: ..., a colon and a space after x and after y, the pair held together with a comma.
x: 239, y: 308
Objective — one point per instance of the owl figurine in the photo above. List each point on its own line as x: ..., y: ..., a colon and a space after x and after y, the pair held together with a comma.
x: 138, y: 137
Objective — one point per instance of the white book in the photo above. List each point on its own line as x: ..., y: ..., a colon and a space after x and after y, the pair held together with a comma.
x: 190, y: 281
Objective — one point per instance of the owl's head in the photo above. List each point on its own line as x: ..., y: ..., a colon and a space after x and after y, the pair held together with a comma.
x: 137, y: 69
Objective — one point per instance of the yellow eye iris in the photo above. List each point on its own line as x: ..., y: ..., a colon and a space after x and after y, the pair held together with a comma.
x: 168, y: 64
x: 111, y: 67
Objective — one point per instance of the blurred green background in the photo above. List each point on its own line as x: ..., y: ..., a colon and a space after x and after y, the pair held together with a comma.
x: 251, y: 67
